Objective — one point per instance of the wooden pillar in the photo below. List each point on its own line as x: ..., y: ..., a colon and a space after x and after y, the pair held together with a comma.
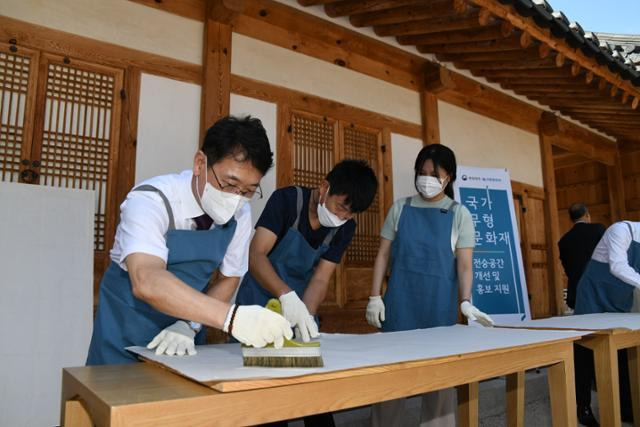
x: 436, y: 79
x: 430, y: 119
x: 616, y: 190
x: 547, y: 130
x: 216, y: 60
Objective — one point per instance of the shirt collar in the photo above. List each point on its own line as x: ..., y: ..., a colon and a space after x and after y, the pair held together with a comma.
x: 191, y: 207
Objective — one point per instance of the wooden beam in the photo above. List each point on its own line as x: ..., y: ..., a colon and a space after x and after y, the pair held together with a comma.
x: 128, y: 135
x: 615, y: 182
x: 429, y: 26
x: 476, y: 97
x: 526, y: 24
x: 224, y: 11
x: 216, y: 60
x: 511, y: 55
x: 192, y: 9
x: 511, y: 43
x: 321, y: 106
x: 552, y: 226
x: 335, y: 9
x: 577, y: 139
x: 300, y: 32
x: 490, y: 32
x: 74, y: 46
x: 543, y: 73
x: 529, y: 64
x: 415, y: 10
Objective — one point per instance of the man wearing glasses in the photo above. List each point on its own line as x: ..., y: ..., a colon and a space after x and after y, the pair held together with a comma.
x: 175, y: 232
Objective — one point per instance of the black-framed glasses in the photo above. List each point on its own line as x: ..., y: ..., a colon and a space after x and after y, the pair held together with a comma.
x: 234, y: 189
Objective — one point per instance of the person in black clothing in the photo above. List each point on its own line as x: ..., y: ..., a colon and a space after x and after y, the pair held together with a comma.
x: 576, y: 248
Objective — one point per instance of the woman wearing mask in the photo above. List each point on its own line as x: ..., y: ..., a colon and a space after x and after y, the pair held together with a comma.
x: 429, y: 238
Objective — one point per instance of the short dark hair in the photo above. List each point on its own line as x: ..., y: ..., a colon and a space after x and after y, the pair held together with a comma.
x: 442, y: 157
x: 577, y: 211
x: 244, y: 138
x: 356, y: 180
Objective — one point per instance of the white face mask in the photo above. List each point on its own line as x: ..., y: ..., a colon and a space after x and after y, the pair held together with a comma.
x: 429, y: 186
x: 220, y: 206
x: 326, y: 217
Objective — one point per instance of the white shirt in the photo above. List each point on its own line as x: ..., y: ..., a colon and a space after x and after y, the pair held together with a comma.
x: 144, y: 221
x: 612, y: 249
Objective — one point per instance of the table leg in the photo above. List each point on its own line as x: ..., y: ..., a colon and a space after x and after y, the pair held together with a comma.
x: 633, y: 353
x: 606, y: 366
x: 76, y: 415
x: 468, y: 405
x: 515, y: 399
x: 562, y: 391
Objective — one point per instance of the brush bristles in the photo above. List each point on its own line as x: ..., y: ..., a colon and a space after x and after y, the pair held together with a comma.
x: 284, y: 362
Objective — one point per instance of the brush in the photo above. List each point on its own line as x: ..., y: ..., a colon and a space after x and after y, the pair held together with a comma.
x: 293, y: 354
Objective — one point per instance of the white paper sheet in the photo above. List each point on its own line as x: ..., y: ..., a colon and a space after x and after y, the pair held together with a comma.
x: 593, y: 322
x: 342, y: 351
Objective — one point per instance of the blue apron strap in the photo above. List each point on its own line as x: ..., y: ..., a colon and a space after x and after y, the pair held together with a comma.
x: 450, y: 208
x: 298, y: 207
x: 407, y: 201
x: 630, y: 230
x: 147, y: 187
x: 330, y: 235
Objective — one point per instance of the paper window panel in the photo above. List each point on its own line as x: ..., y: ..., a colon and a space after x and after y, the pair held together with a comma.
x: 313, y: 148
x: 363, y: 144
x: 78, y: 135
x: 17, y: 87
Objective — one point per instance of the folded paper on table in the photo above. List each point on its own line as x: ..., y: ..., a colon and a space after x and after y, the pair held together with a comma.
x: 220, y: 366
x: 584, y: 322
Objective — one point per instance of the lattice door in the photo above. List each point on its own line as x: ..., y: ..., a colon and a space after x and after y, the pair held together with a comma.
x: 76, y: 133
x: 18, y: 73
x: 364, y: 144
x: 314, y: 141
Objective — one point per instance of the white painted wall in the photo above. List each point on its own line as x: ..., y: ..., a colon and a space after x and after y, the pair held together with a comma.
x: 268, y: 114
x: 404, y: 151
x: 273, y: 64
x: 168, y: 126
x: 484, y: 142
x: 120, y: 22
x: 46, y: 260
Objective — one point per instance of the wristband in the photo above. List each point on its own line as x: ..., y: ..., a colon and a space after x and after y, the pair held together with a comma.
x: 227, y: 320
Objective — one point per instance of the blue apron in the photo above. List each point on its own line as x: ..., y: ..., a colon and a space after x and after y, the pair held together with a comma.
x: 293, y: 259
x: 422, y: 290
x: 122, y: 320
x: 599, y: 291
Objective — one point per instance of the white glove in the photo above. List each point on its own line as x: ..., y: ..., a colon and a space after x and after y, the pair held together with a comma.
x: 375, y: 311
x: 256, y: 326
x: 176, y: 339
x: 294, y: 310
x: 472, y: 313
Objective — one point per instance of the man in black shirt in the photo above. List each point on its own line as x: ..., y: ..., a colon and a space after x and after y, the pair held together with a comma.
x: 299, y: 240
x: 576, y: 248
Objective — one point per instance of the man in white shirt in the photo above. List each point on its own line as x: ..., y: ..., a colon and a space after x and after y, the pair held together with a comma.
x: 612, y: 274
x: 607, y: 286
x: 175, y: 232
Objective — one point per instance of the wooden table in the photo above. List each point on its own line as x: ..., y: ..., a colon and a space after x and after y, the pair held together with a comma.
x: 146, y: 395
x: 605, y: 344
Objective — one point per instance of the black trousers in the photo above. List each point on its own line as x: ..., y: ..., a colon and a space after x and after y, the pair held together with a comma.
x: 585, y: 375
x: 319, y: 420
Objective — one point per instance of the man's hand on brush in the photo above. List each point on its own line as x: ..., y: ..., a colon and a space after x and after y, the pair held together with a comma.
x: 294, y: 310
x: 256, y: 326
